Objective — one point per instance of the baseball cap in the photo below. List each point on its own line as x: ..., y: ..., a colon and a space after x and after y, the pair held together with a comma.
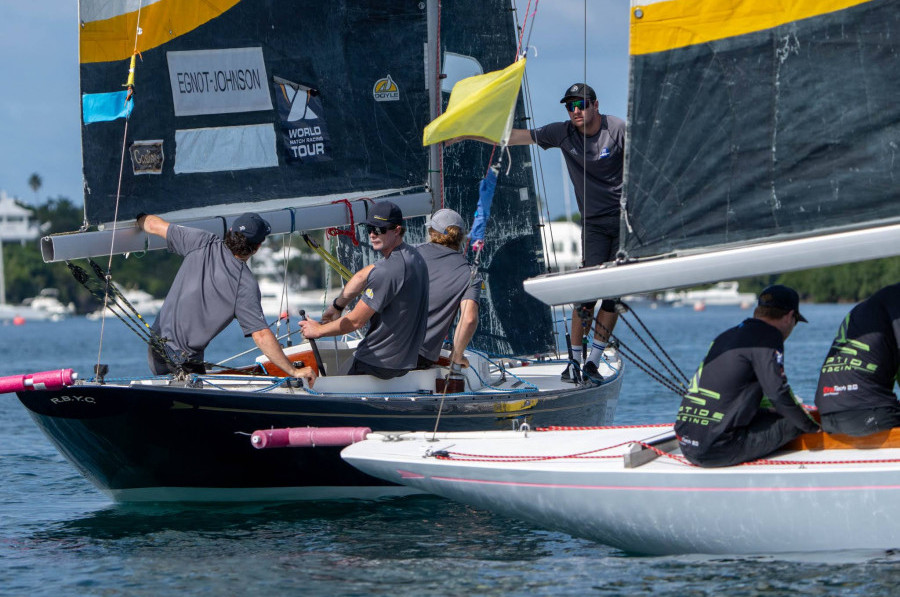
x: 444, y: 218
x: 252, y: 227
x: 579, y: 91
x: 385, y: 214
x: 781, y: 297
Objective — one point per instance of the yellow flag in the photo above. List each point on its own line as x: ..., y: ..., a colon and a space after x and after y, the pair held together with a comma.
x: 481, y: 106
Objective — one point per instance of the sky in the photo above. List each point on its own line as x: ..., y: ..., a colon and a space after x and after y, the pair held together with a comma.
x: 40, y: 108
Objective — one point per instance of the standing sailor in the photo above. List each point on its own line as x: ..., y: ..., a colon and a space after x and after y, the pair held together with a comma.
x: 593, y: 146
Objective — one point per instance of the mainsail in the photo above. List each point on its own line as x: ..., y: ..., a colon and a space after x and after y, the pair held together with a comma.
x: 762, y: 138
x: 305, y: 112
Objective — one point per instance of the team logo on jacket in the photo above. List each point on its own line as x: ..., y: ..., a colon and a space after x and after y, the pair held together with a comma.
x: 385, y: 90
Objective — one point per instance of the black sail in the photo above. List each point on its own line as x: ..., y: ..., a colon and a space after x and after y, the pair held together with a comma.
x: 778, y: 132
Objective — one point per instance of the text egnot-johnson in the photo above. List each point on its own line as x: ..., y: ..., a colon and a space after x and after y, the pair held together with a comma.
x: 218, y: 81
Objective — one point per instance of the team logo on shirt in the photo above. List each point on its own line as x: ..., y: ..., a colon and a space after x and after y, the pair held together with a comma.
x: 604, y: 153
x: 370, y: 293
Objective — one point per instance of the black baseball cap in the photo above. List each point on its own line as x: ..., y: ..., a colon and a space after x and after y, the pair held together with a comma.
x: 781, y: 297
x: 385, y: 214
x: 579, y: 91
x: 252, y: 227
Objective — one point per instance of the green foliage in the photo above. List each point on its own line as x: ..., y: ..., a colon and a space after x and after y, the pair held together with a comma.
x: 848, y: 283
x: 26, y: 274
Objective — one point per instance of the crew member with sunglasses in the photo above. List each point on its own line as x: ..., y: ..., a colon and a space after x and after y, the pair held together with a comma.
x: 394, y: 300
x: 855, y: 393
x: 593, y: 146
x: 739, y: 406
x: 453, y: 287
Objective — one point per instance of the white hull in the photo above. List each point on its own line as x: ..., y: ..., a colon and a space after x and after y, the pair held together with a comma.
x: 822, y: 501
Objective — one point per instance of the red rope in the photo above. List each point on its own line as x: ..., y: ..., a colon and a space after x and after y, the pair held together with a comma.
x: 352, y: 232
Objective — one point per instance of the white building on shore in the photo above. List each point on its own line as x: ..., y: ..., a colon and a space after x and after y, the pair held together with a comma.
x: 16, y: 224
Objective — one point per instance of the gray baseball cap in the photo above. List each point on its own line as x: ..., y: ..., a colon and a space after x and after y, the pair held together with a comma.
x: 444, y: 218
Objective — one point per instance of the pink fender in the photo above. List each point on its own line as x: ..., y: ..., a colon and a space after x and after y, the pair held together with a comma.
x: 308, y: 437
x: 43, y: 380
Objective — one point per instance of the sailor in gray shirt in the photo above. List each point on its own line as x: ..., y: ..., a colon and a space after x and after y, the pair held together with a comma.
x: 213, y: 286
x: 453, y: 287
x: 395, y: 301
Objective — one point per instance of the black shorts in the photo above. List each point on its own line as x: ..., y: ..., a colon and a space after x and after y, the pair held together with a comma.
x: 862, y: 422
x: 600, y: 242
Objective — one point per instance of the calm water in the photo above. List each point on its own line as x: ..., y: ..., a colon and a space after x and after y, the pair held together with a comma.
x: 58, y: 535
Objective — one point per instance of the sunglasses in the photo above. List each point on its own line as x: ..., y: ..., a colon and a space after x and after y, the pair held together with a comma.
x: 378, y: 230
x: 580, y: 104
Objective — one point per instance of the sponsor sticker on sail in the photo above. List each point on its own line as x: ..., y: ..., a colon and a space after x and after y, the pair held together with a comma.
x: 147, y: 156
x: 385, y: 90
x: 304, y: 133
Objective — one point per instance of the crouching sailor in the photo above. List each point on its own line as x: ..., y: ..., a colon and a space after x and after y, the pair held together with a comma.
x: 855, y: 394
x: 213, y: 287
x: 739, y: 406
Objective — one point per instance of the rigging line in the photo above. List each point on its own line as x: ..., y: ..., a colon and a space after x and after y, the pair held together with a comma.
x: 681, y: 380
x: 658, y: 344
x: 641, y: 363
x: 541, y: 185
x: 328, y: 258
x: 130, y: 85
x: 117, y: 294
x: 525, y: 23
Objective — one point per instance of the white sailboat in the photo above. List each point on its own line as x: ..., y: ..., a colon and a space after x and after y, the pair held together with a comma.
x: 743, y: 158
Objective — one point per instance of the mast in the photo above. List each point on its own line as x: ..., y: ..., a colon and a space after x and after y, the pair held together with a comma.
x: 432, y: 84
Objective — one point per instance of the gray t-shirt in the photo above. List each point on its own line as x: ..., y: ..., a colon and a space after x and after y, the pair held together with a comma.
x: 397, y: 290
x: 212, y: 287
x: 605, y: 157
x: 450, y: 282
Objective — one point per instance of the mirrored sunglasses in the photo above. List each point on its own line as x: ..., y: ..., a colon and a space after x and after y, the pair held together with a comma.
x: 580, y: 104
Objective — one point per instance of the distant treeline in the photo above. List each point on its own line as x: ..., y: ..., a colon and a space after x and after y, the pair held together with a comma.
x: 848, y: 283
x: 27, y: 274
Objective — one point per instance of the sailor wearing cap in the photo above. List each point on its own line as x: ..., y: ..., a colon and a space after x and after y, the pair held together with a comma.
x: 593, y: 147
x: 739, y: 406
x: 394, y: 297
x: 213, y: 286
x: 453, y: 287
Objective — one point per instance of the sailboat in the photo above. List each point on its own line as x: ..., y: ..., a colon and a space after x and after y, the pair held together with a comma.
x: 307, y: 113
x: 743, y: 158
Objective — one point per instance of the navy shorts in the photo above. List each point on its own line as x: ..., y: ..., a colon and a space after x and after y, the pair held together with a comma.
x: 599, y: 245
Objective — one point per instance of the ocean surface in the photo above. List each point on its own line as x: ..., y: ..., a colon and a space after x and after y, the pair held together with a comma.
x: 61, y: 536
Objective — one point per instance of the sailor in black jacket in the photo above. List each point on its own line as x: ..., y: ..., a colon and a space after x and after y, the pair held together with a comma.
x: 739, y: 406
x: 856, y: 387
